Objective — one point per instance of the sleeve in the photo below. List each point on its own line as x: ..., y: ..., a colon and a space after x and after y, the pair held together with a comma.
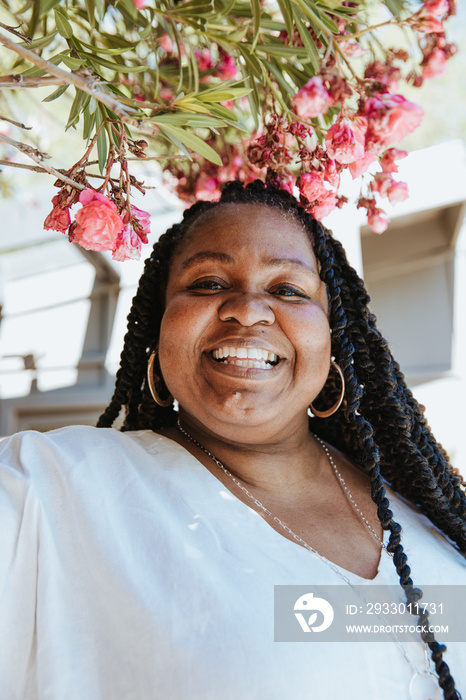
x: 19, y: 542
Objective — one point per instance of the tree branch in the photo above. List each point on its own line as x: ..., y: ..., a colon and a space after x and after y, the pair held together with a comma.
x: 17, y: 80
x: 84, y: 84
x: 12, y: 121
x: 38, y: 157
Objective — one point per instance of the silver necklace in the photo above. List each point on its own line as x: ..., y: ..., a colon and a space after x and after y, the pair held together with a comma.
x: 423, y: 684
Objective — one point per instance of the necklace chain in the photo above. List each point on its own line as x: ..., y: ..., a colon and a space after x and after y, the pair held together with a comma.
x: 274, y: 517
x: 299, y: 539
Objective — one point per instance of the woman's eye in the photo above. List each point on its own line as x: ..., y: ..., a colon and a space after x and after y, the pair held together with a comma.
x: 289, y: 291
x: 207, y: 285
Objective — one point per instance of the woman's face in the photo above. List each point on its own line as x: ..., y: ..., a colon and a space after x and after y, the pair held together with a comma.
x: 245, y: 342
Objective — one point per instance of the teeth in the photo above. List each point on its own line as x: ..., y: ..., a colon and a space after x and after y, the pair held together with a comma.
x: 245, y: 354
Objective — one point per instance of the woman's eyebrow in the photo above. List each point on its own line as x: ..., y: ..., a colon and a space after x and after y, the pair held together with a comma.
x: 204, y: 255
x: 294, y: 262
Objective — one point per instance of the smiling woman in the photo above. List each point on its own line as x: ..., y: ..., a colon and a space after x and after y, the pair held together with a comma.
x: 142, y: 563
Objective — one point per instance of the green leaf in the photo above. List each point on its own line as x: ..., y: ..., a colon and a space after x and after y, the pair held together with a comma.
x: 88, y: 123
x: 287, y: 14
x: 194, y: 142
x: 176, y: 141
x: 223, y: 95
x: 307, y: 41
x: 46, y: 6
x: 117, y: 67
x: 286, y: 89
x: 102, y: 149
x: 195, y: 8
x: 281, y: 50
x: 72, y: 63
x: 256, y: 12
x: 56, y: 60
x: 61, y: 20
x: 56, y: 93
x: 90, y: 7
x: 39, y: 43
x: 107, y: 52
x: 76, y: 107
x: 100, y: 7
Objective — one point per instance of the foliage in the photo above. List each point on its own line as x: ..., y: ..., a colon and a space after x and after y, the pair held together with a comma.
x: 293, y: 91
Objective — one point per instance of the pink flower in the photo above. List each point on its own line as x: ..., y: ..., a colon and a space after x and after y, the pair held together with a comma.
x: 352, y: 48
x: 377, y: 220
x: 398, y: 192
x: 98, y: 222
x: 325, y: 206
x: 139, y: 4
x: 207, y: 188
x: 226, y: 69
x: 203, y: 59
x: 390, y: 119
x: 388, y: 158
x: 166, y: 43
x: 381, y: 184
x: 435, y: 65
x: 428, y: 25
x: 128, y: 245
x: 437, y: 8
x: 345, y: 139
x: 143, y: 222
x: 311, y: 185
x: 360, y: 166
x: 312, y: 99
x: 332, y: 172
x: 59, y: 219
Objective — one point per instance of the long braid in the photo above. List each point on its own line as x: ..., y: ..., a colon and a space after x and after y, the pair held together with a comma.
x: 382, y: 427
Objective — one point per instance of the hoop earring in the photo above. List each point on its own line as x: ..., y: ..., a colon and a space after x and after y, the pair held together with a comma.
x: 336, y: 406
x: 152, y: 385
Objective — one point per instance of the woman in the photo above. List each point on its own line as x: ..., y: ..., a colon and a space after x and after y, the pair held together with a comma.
x: 141, y: 564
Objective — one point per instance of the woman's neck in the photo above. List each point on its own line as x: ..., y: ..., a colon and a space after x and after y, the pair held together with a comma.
x: 286, y: 463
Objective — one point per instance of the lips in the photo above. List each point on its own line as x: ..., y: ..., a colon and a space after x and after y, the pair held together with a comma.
x: 249, y: 357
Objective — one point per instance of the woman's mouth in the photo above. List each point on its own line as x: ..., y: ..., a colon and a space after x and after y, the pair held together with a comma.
x: 251, y: 358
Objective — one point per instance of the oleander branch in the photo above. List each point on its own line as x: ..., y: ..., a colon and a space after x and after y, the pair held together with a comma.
x: 88, y: 85
x: 38, y: 157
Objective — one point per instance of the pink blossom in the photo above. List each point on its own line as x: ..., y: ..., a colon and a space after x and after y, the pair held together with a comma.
x: 435, y: 64
x: 331, y: 173
x: 143, y: 222
x: 352, y: 48
x: 128, y: 245
x: 311, y: 185
x: 381, y: 184
x: 388, y: 158
x: 324, y: 206
x: 346, y: 138
x: 390, y: 119
x: 59, y: 219
x: 428, y: 25
x: 398, y: 192
x: 360, y: 166
x: 166, y: 43
x: 207, y: 188
x: 139, y: 4
x: 226, y: 69
x: 98, y: 222
x: 437, y: 8
x: 203, y: 59
x: 377, y: 220
x: 312, y: 99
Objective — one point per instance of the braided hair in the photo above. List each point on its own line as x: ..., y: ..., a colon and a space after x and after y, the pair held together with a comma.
x: 381, y: 426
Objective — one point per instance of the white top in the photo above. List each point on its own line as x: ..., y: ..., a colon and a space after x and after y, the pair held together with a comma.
x: 129, y: 572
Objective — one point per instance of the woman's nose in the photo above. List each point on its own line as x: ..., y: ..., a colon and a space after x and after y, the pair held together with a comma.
x: 247, y: 309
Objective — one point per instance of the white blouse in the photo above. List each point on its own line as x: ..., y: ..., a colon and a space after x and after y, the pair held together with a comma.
x: 129, y: 572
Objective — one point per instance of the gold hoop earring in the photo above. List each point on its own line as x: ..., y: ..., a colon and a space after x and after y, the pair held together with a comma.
x: 152, y: 386
x: 336, y: 406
